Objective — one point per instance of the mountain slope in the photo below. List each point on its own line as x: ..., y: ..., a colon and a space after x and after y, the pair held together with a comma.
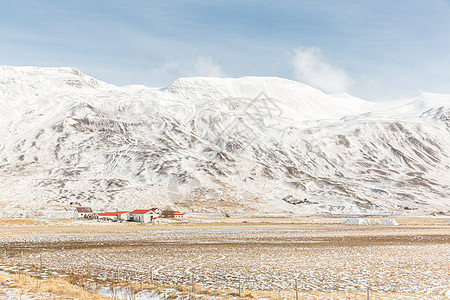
x: 217, y: 145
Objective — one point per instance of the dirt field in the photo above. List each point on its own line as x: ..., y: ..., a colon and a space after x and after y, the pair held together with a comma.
x: 263, y: 256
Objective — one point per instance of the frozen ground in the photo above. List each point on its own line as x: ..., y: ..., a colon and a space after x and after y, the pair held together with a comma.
x: 409, y: 261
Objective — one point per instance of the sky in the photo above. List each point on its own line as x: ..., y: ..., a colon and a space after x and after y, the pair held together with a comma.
x: 375, y: 50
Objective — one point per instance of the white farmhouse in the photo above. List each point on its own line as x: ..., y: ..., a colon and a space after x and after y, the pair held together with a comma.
x: 83, y: 212
x: 145, y: 215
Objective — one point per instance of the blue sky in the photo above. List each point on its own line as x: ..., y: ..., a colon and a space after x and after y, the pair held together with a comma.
x: 372, y: 49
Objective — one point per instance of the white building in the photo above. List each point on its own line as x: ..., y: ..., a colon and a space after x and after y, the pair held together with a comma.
x: 83, y: 212
x: 105, y: 216
x: 113, y: 216
x: 177, y: 214
x: 145, y: 215
x: 173, y: 214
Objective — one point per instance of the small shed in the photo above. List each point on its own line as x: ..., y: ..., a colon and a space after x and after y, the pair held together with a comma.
x: 83, y: 212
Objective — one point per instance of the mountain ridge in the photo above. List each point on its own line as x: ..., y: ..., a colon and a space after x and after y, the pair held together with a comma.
x: 259, y: 145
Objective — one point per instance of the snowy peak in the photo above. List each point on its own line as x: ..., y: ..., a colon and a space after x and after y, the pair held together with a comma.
x: 245, y: 87
x: 22, y: 82
x: 297, y: 100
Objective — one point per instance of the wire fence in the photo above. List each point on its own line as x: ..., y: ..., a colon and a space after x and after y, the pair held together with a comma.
x: 122, y: 282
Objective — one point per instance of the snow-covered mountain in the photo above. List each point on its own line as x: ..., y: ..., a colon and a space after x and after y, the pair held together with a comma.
x: 262, y: 145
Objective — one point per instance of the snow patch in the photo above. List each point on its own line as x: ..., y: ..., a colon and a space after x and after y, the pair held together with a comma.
x: 357, y: 221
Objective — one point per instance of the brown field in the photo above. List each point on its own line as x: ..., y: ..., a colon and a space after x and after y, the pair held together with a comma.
x: 52, y: 288
x: 263, y: 255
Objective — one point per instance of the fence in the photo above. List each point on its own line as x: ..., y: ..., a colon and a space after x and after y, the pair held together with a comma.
x: 121, y: 281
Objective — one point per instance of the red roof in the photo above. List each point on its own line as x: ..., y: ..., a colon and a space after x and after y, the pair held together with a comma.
x: 111, y: 214
x: 140, y: 211
x: 107, y: 214
x: 176, y: 212
x: 84, y: 209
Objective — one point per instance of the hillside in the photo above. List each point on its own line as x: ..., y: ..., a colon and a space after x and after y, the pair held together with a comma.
x: 260, y: 145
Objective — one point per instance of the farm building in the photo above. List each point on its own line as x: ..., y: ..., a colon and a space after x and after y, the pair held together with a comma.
x: 123, y: 215
x: 173, y: 214
x: 83, y: 212
x: 145, y: 215
x: 177, y: 214
x: 113, y: 216
x: 105, y: 216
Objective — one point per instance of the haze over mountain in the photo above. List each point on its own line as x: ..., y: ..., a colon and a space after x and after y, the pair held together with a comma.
x: 252, y: 144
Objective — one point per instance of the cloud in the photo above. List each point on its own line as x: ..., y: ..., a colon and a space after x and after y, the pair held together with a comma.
x: 168, y: 67
x: 200, y: 67
x: 311, y: 69
x: 205, y: 66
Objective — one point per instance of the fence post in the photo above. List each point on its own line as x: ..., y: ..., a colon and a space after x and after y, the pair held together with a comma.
x: 151, y: 274
x: 368, y: 293
x: 296, y: 289
x: 239, y: 285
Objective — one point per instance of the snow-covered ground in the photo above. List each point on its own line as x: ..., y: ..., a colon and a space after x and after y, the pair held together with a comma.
x: 209, y: 145
x: 327, y: 259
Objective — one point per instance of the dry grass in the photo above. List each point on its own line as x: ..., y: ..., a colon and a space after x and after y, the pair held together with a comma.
x: 50, y: 287
x: 339, y: 295
x: 57, y: 288
x: 214, y: 223
x: 23, y: 222
x: 330, y: 260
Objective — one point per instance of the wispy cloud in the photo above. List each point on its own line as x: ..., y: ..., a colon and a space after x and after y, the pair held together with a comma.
x: 384, y: 45
x: 205, y: 66
x: 202, y: 66
x: 311, y: 68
